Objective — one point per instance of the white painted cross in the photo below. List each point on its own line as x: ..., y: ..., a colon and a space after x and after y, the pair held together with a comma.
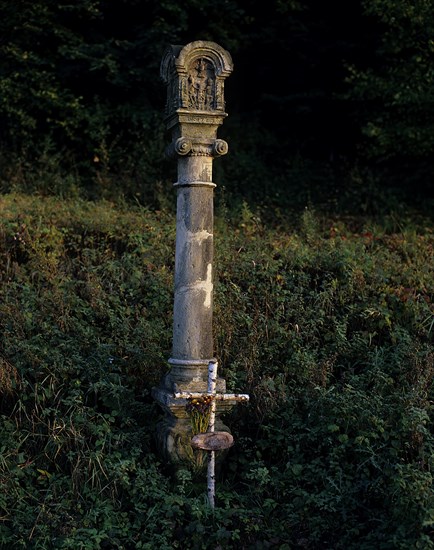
x: 212, y: 441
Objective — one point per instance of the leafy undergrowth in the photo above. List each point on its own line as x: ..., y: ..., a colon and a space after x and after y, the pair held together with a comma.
x: 328, y: 327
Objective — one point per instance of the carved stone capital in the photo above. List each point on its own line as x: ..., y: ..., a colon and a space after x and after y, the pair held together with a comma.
x: 216, y: 148
x: 195, y: 75
x: 181, y: 146
x: 186, y: 147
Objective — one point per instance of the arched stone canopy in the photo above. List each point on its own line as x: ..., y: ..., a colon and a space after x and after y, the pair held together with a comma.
x: 195, y: 76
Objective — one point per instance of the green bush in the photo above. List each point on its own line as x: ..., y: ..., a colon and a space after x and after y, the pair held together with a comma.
x: 328, y: 325
x: 396, y: 92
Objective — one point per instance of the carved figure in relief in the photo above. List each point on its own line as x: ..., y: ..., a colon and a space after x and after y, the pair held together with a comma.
x: 201, y: 86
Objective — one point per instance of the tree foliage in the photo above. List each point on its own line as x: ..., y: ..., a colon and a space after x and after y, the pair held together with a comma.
x: 396, y: 89
x: 312, y: 81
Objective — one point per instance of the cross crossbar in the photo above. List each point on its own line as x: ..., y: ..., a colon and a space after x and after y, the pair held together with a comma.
x: 217, y: 396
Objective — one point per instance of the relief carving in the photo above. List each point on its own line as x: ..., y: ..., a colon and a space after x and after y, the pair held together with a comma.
x: 201, y: 86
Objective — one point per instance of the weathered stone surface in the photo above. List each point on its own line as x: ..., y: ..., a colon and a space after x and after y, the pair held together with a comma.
x: 194, y: 75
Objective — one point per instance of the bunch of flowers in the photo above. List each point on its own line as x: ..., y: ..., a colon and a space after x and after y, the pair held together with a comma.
x: 199, y: 410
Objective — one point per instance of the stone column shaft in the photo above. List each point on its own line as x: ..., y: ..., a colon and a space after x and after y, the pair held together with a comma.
x: 192, y: 324
x: 193, y: 298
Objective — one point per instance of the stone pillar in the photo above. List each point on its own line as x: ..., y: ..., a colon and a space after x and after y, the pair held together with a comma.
x: 194, y: 75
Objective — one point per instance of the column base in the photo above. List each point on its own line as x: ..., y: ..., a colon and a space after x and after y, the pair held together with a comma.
x: 190, y: 375
x: 174, y: 431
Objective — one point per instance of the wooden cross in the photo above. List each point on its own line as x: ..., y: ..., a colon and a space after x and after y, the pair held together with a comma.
x: 212, y: 441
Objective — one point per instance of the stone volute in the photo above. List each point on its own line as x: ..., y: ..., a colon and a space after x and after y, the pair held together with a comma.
x: 194, y: 75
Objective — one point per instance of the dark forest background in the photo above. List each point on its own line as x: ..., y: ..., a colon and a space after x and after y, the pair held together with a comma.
x: 331, y: 103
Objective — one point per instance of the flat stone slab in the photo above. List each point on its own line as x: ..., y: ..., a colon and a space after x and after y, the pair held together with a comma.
x: 212, y: 441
